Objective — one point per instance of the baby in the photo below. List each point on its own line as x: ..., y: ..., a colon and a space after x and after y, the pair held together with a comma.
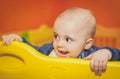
x: 74, y: 31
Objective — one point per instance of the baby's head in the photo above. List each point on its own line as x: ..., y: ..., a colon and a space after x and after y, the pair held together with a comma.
x: 74, y: 31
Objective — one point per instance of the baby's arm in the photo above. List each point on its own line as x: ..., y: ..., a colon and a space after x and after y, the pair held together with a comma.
x: 100, y: 58
x: 8, y: 39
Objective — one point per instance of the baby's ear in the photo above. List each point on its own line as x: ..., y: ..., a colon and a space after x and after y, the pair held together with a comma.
x: 89, y: 43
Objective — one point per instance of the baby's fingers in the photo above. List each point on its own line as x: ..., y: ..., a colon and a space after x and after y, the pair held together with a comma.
x: 92, y: 65
x: 96, y: 67
x: 4, y: 38
x: 18, y: 38
x: 8, y: 39
x: 104, y: 65
x: 100, y: 68
x: 99, y: 73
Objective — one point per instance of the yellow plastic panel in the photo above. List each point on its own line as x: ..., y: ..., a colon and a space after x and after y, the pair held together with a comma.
x: 20, y: 61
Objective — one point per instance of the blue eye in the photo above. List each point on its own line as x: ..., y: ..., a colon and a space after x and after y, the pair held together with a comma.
x: 68, y: 40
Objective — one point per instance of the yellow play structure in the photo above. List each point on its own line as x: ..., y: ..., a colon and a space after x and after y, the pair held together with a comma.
x: 20, y: 61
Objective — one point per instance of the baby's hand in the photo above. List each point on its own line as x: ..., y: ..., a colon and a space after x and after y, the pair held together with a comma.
x: 8, y: 39
x: 99, y: 61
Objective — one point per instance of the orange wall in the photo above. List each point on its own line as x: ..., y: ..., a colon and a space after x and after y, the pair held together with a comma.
x: 17, y: 15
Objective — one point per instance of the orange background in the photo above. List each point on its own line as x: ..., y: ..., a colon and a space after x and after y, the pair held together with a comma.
x: 20, y: 15
x: 17, y: 15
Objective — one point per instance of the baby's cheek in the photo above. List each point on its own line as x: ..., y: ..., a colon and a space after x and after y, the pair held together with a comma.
x: 54, y: 44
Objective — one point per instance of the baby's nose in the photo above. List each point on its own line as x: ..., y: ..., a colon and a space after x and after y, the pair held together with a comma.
x: 61, y: 44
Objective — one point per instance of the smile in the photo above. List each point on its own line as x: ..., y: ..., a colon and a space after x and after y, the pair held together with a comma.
x: 63, y: 53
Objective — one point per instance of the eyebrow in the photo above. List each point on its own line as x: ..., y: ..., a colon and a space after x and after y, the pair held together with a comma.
x: 54, y: 33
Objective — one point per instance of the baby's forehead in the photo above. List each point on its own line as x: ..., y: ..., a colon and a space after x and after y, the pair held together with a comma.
x: 70, y: 28
x: 78, y: 16
x: 77, y: 19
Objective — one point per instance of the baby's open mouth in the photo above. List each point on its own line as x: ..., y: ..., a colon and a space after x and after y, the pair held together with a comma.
x: 63, y: 53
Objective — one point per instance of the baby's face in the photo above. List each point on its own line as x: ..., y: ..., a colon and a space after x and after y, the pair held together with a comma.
x: 69, y: 40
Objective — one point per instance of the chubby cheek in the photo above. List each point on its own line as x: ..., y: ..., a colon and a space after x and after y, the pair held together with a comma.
x: 75, y: 50
x: 74, y: 53
x: 54, y: 44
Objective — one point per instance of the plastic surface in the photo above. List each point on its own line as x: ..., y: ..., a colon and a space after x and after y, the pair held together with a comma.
x: 20, y: 61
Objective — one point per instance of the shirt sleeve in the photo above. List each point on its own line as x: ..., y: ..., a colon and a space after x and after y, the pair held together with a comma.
x: 115, y: 52
x: 25, y: 41
x: 44, y: 49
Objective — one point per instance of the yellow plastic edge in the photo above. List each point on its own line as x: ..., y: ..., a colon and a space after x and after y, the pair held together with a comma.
x: 20, y: 61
